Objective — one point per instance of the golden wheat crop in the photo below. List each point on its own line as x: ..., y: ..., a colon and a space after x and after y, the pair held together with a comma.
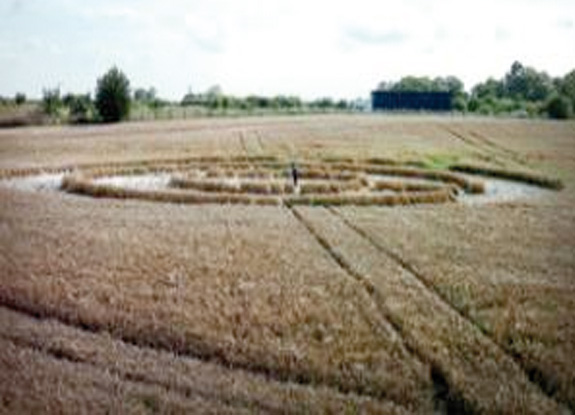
x: 239, y: 292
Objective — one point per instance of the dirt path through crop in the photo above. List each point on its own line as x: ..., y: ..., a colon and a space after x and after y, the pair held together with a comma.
x: 479, y: 375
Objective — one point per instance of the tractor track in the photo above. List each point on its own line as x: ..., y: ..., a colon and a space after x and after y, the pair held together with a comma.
x: 400, y: 261
x: 243, y: 144
x: 287, y: 377
x: 498, y: 147
x: 140, y: 378
x: 483, y: 145
x: 366, y: 284
x: 251, y: 143
x: 463, y: 138
x: 260, y: 143
x: 533, y: 374
x: 444, y: 396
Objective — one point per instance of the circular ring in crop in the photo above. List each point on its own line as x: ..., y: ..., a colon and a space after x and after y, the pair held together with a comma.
x: 270, y: 181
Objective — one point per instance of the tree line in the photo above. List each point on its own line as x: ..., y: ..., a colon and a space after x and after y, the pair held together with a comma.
x: 522, y: 91
x: 114, y: 101
x: 111, y: 103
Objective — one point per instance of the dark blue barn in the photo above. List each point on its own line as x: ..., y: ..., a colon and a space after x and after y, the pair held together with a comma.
x: 414, y: 101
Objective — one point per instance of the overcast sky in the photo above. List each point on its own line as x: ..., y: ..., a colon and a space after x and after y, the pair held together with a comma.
x: 309, y: 48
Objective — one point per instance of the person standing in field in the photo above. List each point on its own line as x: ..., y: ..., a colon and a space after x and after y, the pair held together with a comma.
x: 294, y: 174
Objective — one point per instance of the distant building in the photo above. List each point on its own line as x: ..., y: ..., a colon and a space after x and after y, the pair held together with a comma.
x: 411, y: 101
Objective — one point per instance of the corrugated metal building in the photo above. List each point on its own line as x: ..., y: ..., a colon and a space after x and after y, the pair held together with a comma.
x: 407, y: 100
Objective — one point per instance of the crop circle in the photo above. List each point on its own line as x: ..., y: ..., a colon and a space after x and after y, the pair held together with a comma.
x: 270, y: 181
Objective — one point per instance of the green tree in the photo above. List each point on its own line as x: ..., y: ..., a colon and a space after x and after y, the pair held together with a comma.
x: 113, y: 96
x: 192, y: 99
x: 342, y: 104
x: 414, y: 84
x: 559, y: 107
x: 450, y: 84
x: 20, y: 98
x: 80, y: 106
x: 566, y: 87
x: 459, y: 102
x: 51, y: 101
x: 514, y: 81
x: 473, y: 104
x: 491, y: 88
x: 323, y: 103
x: 214, y: 97
x: 523, y: 82
x: 455, y: 87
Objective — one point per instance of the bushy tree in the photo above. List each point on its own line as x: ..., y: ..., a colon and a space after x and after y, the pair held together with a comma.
x: 559, y: 107
x: 473, y: 104
x: 413, y: 84
x: 566, y: 87
x: 323, y: 103
x: 523, y: 91
x: 113, y: 96
x: 255, y: 101
x: 459, y: 102
x: 51, y: 101
x: 80, y: 106
x: 342, y: 104
x: 450, y: 84
x: 491, y: 88
x: 192, y: 99
x: 20, y: 98
x: 524, y: 82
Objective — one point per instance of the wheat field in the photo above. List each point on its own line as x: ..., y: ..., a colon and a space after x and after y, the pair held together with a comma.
x: 423, y: 264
